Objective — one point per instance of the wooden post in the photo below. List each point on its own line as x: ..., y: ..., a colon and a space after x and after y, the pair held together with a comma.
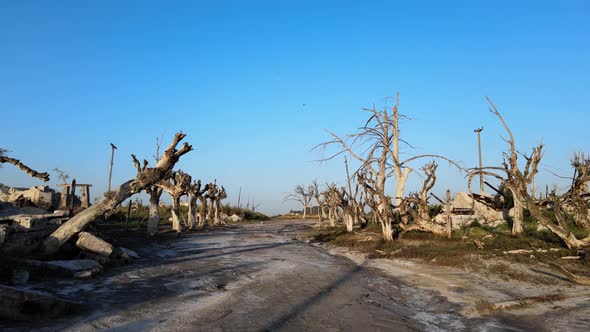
x: 128, y: 215
x: 63, y: 202
x: 72, y: 195
x: 85, y: 196
x: 239, y: 196
x: 478, y: 131
x: 448, y: 211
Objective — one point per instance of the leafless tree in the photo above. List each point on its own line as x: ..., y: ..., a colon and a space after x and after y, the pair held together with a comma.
x: 63, y: 176
x: 380, y: 160
x: 414, y: 208
x: 220, y: 195
x: 513, y: 178
x: 211, y: 194
x: 302, y: 195
x: 331, y: 197
x: 155, y: 193
x: 573, y: 200
x: 177, y: 185
x: 18, y: 164
x: 317, y: 194
x: 195, y: 193
x: 145, y: 177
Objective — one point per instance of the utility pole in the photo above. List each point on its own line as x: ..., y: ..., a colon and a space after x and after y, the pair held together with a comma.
x: 113, y: 148
x: 478, y: 131
x: 239, y: 196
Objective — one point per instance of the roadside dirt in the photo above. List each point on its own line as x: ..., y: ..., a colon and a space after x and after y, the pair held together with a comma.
x: 263, y: 277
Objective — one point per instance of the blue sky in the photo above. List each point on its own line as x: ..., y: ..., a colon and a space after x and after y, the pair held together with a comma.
x: 254, y: 84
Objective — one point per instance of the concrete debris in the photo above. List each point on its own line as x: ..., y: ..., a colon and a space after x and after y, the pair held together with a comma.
x: 129, y: 253
x: 20, y: 304
x: 235, y: 218
x: 89, y: 242
x: 39, y: 196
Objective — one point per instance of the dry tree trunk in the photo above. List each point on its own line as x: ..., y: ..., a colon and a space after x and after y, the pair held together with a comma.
x: 145, y: 177
x: 154, y: 210
x: 518, y: 219
x: 202, y: 211
x: 191, y: 221
x: 331, y: 216
x: 177, y: 220
x: 177, y: 185
x: 221, y: 195
x: 196, y: 193
x: 18, y: 164
x: 420, y: 219
x: 211, y: 204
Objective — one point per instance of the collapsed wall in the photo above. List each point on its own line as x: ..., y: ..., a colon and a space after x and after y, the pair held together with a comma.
x: 38, y: 196
x: 465, y: 210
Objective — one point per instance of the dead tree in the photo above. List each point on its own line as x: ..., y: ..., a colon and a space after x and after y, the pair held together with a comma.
x: 145, y: 177
x: 330, y: 197
x: 513, y: 177
x: 302, y: 195
x: 195, y: 193
x: 4, y: 159
x: 62, y: 175
x: 155, y: 193
x: 571, y: 200
x: 177, y: 185
x: 348, y: 208
x: 317, y: 194
x: 579, y: 187
x: 211, y: 204
x: 380, y: 138
x: 220, y: 195
x: 414, y: 208
x: 203, y: 210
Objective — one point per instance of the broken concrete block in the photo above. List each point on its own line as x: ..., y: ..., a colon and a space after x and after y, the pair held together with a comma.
x: 20, y: 304
x: 130, y: 253
x: 94, y: 244
x: 235, y: 218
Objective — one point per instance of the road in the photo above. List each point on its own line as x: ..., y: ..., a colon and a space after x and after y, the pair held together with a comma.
x: 259, y: 277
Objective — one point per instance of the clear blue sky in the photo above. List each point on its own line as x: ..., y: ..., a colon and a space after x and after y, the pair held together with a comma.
x: 254, y: 84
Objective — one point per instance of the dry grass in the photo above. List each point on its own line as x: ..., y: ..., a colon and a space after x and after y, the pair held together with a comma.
x: 460, y: 251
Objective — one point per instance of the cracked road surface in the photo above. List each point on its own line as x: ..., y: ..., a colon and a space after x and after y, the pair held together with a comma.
x: 257, y: 277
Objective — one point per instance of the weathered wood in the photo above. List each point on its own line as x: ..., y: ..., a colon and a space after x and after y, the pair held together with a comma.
x: 574, y: 278
x: 72, y: 198
x: 449, y: 219
x: 18, y: 164
x: 145, y: 177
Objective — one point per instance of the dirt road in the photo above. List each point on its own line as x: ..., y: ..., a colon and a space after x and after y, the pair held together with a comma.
x: 259, y: 277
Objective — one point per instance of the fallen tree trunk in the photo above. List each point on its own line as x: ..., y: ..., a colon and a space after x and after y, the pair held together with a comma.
x: 18, y: 164
x: 145, y: 177
x: 574, y: 278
